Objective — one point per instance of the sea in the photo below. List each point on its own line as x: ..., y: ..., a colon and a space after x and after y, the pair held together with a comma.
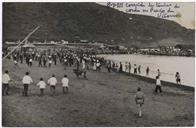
x: 168, y: 66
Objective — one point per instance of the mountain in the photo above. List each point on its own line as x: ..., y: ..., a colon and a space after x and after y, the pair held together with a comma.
x: 89, y: 21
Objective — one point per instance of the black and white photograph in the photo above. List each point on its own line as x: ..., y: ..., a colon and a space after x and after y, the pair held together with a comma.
x: 98, y: 64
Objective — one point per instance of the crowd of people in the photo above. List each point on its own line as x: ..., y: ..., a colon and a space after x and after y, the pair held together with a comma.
x: 81, y: 61
x: 46, y: 58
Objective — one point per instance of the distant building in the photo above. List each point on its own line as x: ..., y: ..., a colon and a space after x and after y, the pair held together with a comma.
x: 64, y: 42
x: 121, y: 47
x: 83, y: 41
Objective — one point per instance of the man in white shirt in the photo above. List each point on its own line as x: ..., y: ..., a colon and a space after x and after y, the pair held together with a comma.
x: 158, y: 85
x: 65, y: 83
x: 42, y: 86
x: 52, y: 82
x: 5, y: 81
x: 27, y: 80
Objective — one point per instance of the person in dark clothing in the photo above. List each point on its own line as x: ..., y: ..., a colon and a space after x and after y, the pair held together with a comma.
x: 21, y: 58
x: 44, y: 61
x: 147, y: 71
x: 109, y: 66
x: 120, y: 68
x: 129, y: 67
x: 40, y: 61
x: 135, y: 69
x: 177, y: 76
x: 139, y: 69
x: 27, y: 60
x: 113, y: 65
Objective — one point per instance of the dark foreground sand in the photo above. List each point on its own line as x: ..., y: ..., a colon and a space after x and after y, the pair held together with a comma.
x: 104, y: 99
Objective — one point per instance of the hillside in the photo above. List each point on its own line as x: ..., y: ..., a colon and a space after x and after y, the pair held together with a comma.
x: 88, y: 21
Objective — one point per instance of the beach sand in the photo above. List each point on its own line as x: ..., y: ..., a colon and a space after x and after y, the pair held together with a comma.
x: 103, y: 99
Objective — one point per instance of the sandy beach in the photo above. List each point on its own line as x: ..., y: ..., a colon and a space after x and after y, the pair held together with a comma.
x: 103, y: 99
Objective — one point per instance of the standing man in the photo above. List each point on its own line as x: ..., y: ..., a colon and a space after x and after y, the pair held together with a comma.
x: 27, y: 59
x: 40, y: 61
x: 52, y: 82
x: 55, y: 59
x: 158, y: 73
x: 44, y: 61
x: 135, y: 69
x: 109, y: 66
x: 129, y: 67
x: 5, y: 81
x: 139, y: 99
x: 65, y: 84
x: 126, y: 67
x: 27, y: 80
x: 84, y: 68
x: 120, y: 68
x: 21, y: 58
x: 139, y: 69
x: 147, y: 71
x: 158, y: 85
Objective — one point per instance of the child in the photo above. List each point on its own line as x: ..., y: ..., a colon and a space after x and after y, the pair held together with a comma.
x: 15, y: 62
x: 42, y: 86
x: 178, y: 81
x: 65, y: 84
x: 30, y: 62
x: 50, y: 62
x: 139, y: 99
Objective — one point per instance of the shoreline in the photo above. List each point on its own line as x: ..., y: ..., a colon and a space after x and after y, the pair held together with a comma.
x: 168, y: 76
x: 164, y: 83
x: 146, y: 55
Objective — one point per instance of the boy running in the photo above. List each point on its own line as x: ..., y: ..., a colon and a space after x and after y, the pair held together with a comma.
x: 42, y: 86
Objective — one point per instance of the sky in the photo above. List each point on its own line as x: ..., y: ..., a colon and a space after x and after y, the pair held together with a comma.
x: 180, y: 12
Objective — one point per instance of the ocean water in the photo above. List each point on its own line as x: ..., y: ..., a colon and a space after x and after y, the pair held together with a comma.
x: 168, y: 66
